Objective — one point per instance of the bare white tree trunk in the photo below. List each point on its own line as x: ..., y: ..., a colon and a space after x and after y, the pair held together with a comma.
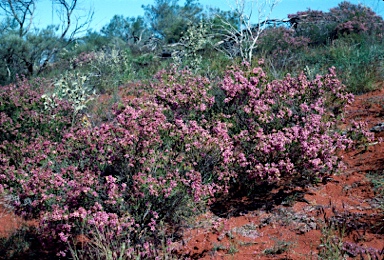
x: 243, y: 37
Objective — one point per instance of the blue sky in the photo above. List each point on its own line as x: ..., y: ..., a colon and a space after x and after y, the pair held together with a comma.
x: 104, y: 10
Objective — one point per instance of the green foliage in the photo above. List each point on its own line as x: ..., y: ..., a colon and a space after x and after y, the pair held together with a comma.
x: 356, y: 54
x: 130, y: 30
x: 359, y: 62
x: 92, y: 41
x: 144, y: 66
x: 331, y: 246
x: 279, y: 248
x: 377, y: 180
x: 193, y: 41
x: 105, y: 69
x: 12, y: 51
x: 168, y: 20
x: 26, y: 55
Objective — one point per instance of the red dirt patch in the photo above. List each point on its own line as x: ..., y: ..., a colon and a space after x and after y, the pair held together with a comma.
x: 8, y: 222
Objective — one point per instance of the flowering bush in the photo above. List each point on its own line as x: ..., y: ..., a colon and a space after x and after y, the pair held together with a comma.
x: 183, y: 94
x: 24, y: 117
x: 83, y: 58
x: 283, y: 129
x: 356, y: 19
x: 124, y: 177
x: 280, y: 41
x: 167, y: 153
x: 282, y: 46
x: 345, y: 19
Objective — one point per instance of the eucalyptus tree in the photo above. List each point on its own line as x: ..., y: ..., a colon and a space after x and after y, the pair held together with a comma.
x: 129, y: 29
x: 168, y: 20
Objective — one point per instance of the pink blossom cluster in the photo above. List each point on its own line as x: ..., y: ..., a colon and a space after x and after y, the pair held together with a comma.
x: 284, y: 129
x: 83, y: 58
x: 345, y: 19
x: 281, y: 41
x: 182, y: 92
x: 353, y: 18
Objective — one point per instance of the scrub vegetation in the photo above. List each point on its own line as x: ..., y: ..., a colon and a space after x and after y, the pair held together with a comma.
x: 190, y: 120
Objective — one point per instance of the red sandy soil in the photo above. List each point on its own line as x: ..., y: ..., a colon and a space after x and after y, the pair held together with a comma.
x: 294, y: 222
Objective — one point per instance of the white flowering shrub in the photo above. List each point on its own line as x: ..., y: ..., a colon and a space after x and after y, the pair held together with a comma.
x: 72, y: 87
x: 193, y: 41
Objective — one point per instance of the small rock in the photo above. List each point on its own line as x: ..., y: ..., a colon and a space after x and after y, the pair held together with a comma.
x: 378, y: 128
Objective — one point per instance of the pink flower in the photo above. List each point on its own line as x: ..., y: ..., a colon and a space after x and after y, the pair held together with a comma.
x: 63, y: 237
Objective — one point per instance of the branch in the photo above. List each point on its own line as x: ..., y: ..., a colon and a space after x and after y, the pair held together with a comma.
x: 19, y: 10
x: 66, y: 15
x: 245, y: 37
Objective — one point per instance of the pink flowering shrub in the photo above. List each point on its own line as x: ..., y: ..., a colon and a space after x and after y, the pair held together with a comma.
x: 183, y: 94
x: 345, y: 19
x: 358, y: 19
x: 24, y: 117
x: 282, y: 46
x: 359, y: 133
x: 83, y: 58
x: 122, y: 178
x: 167, y: 154
x: 280, y: 42
x: 284, y: 129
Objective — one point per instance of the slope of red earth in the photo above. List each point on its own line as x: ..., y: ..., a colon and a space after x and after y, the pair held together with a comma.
x: 343, y: 215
